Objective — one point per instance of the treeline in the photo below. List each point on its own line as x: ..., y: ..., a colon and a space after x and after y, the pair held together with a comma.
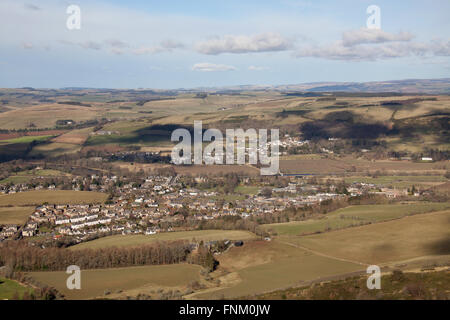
x: 21, y: 256
x: 435, y: 154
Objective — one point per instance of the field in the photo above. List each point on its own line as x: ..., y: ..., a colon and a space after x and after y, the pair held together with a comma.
x: 433, y: 286
x: 385, y: 242
x: 15, y: 215
x: 55, y: 149
x: 293, y: 261
x: 346, y: 164
x: 40, y: 197
x: 136, y: 240
x: 44, y: 115
x: 399, y: 181
x: 122, y: 281
x: 191, y: 170
x: 74, y: 137
x: 354, y: 216
x: 8, y: 288
x: 26, y: 139
x: 261, y: 266
x: 26, y: 176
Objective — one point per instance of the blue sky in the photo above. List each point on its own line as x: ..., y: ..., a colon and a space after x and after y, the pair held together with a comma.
x: 185, y: 44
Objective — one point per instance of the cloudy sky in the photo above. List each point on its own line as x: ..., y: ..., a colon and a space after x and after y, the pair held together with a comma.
x: 185, y: 44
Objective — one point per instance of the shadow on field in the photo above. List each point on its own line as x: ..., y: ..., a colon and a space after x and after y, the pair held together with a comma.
x: 441, y: 246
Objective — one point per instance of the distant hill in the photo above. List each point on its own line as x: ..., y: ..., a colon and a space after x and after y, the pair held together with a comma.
x: 409, y: 86
x: 428, y: 86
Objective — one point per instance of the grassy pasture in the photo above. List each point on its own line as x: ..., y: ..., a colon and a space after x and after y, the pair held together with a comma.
x: 260, y: 266
x: 95, y: 282
x: 39, y: 197
x: 25, y: 176
x: 55, y: 149
x: 396, y: 240
x: 341, y: 165
x: 8, y: 288
x: 247, y: 189
x: 354, y: 216
x: 26, y: 139
x: 45, y: 115
x: 136, y: 240
x: 74, y: 137
x: 15, y: 215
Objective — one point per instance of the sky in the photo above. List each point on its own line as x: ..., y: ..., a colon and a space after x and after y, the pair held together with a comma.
x: 187, y: 44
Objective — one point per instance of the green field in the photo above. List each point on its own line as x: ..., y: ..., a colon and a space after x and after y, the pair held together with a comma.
x: 30, y: 198
x: 397, y: 240
x: 136, y: 240
x: 26, y: 139
x: 354, y: 216
x: 8, y: 288
x: 94, y: 283
x: 15, y: 215
x: 247, y: 190
x: 266, y: 266
x: 26, y: 176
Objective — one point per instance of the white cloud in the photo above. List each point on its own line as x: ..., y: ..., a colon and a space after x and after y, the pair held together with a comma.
x: 27, y: 45
x: 163, y: 46
x: 264, y: 42
x: 209, y: 67
x: 115, y: 43
x: 31, y: 6
x: 365, y: 36
x: 371, y: 45
x: 91, y: 45
x: 256, y: 68
x: 338, y: 51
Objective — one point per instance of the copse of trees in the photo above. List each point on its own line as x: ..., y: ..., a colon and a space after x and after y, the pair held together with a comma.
x: 21, y: 256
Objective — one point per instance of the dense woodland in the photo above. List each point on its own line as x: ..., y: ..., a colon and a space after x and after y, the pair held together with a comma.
x: 22, y: 256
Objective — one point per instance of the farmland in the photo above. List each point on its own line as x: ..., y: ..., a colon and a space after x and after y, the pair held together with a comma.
x: 354, y: 216
x: 361, y: 152
x: 290, y: 261
x: 136, y: 240
x: 384, y: 242
x: 8, y: 288
x: 122, y: 281
x: 31, y: 198
x: 15, y: 215
x: 26, y: 176
x: 265, y: 266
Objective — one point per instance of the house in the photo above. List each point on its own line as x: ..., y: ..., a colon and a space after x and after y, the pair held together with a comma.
x: 62, y: 220
x: 28, y: 232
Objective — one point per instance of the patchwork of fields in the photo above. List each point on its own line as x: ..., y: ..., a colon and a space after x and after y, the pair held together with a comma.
x: 288, y: 260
